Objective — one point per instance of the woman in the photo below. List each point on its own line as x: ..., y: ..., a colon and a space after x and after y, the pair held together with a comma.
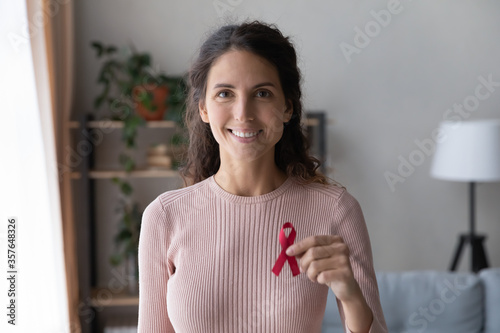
x: 212, y: 255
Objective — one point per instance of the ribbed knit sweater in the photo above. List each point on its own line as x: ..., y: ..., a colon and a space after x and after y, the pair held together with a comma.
x: 206, y: 255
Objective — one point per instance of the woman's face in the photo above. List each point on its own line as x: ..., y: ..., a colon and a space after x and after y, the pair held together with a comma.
x: 245, y: 106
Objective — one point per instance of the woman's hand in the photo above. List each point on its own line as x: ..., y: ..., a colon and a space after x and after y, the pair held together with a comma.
x: 325, y: 259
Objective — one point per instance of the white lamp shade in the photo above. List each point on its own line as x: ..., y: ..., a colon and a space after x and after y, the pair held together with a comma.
x: 468, y: 151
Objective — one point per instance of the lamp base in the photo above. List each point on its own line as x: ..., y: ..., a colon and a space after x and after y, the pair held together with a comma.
x: 479, y: 260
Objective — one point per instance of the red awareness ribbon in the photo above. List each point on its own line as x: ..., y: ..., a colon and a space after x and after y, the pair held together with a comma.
x: 283, y: 257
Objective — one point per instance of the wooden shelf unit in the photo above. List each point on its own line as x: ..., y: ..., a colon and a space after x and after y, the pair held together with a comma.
x: 87, y: 175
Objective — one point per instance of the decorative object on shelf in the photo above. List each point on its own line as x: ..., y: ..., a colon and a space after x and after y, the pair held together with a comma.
x: 158, y: 158
x: 469, y: 151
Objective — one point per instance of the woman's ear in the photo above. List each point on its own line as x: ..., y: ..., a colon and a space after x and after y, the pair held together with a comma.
x: 203, y: 112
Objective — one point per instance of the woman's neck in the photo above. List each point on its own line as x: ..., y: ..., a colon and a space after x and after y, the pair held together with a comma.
x: 248, y: 180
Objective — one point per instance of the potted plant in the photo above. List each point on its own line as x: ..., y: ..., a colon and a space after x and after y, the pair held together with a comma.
x: 134, y: 92
x: 132, y: 73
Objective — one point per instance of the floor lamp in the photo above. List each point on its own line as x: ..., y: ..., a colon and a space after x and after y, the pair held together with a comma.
x: 469, y: 151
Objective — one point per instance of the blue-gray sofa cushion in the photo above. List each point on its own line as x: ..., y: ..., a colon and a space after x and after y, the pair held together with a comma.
x: 424, y: 301
x: 491, y: 281
x: 428, y: 301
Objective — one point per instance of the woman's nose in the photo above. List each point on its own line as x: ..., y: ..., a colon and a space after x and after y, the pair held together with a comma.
x: 243, y: 110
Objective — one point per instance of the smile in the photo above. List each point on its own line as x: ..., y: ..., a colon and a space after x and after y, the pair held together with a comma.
x: 245, y: 135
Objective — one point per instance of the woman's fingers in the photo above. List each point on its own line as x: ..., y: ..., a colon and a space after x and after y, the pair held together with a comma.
x: 323, y: 258
x: 302, y: 246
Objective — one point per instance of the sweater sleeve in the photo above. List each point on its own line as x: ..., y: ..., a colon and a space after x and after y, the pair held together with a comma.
x: 352, y: 229
x: 153, y: 271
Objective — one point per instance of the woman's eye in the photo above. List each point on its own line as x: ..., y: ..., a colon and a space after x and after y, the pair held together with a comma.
x: 223, y: 94
x: 263, y: 93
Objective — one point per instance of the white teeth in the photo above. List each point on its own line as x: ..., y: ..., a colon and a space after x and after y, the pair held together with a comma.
x: 244, y: 135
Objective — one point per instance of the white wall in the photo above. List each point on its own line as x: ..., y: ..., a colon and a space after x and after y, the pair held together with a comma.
x: 394, y: 91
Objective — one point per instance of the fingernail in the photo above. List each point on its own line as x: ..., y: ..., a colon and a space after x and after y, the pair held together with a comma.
x: 289, y: 251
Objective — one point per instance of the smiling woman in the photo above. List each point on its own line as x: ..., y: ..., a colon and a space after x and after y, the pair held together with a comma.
x: 246, y: 108
x: 277, y: 60
x: 212, y: 255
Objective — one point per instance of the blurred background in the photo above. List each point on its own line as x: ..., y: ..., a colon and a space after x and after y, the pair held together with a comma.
x: 381, y: 94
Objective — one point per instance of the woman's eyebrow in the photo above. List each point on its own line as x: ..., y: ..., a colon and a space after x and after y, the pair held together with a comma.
x: 265, y: 84
x: 223, y: 85
x: 227, y: 85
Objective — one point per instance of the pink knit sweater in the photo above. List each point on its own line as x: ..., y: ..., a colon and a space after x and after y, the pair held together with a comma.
x: 206, y: 255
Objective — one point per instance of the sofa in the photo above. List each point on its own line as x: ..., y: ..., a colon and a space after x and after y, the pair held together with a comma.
x: 432, y: 302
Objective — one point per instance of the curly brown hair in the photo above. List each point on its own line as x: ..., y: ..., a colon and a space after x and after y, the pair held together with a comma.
x: 265, y: 40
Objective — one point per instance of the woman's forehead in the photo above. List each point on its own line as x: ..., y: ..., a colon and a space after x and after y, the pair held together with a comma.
x: 238, y: 66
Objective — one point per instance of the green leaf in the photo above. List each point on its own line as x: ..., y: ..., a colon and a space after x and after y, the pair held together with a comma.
x: 123, y: 235
x: 102, y: 97
x: 144, y: 59
x: 115, y: 259
x: 111, y: 49
x: 129, y: 166
x: 146, y: 98
x: 120, y: 108
x: 98, y: 101
x: 98, y: 47
x: 126, y: 188
x: 124, y: 86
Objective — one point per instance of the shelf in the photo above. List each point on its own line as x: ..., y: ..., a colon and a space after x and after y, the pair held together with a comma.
x: 144, y: 173
x: 119, y: 124
x: 156, y: 124
x: 103, y: 297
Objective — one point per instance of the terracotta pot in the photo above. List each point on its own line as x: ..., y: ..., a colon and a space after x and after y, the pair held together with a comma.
x: 160, y: 94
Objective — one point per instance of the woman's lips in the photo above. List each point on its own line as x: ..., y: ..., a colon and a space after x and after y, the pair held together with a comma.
x: 245, y: 139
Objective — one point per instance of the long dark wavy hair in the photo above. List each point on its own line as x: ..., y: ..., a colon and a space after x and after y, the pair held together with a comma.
x: 265, y: 40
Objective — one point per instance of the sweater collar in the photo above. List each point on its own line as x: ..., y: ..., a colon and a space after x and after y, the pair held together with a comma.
x: 220, y: 192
